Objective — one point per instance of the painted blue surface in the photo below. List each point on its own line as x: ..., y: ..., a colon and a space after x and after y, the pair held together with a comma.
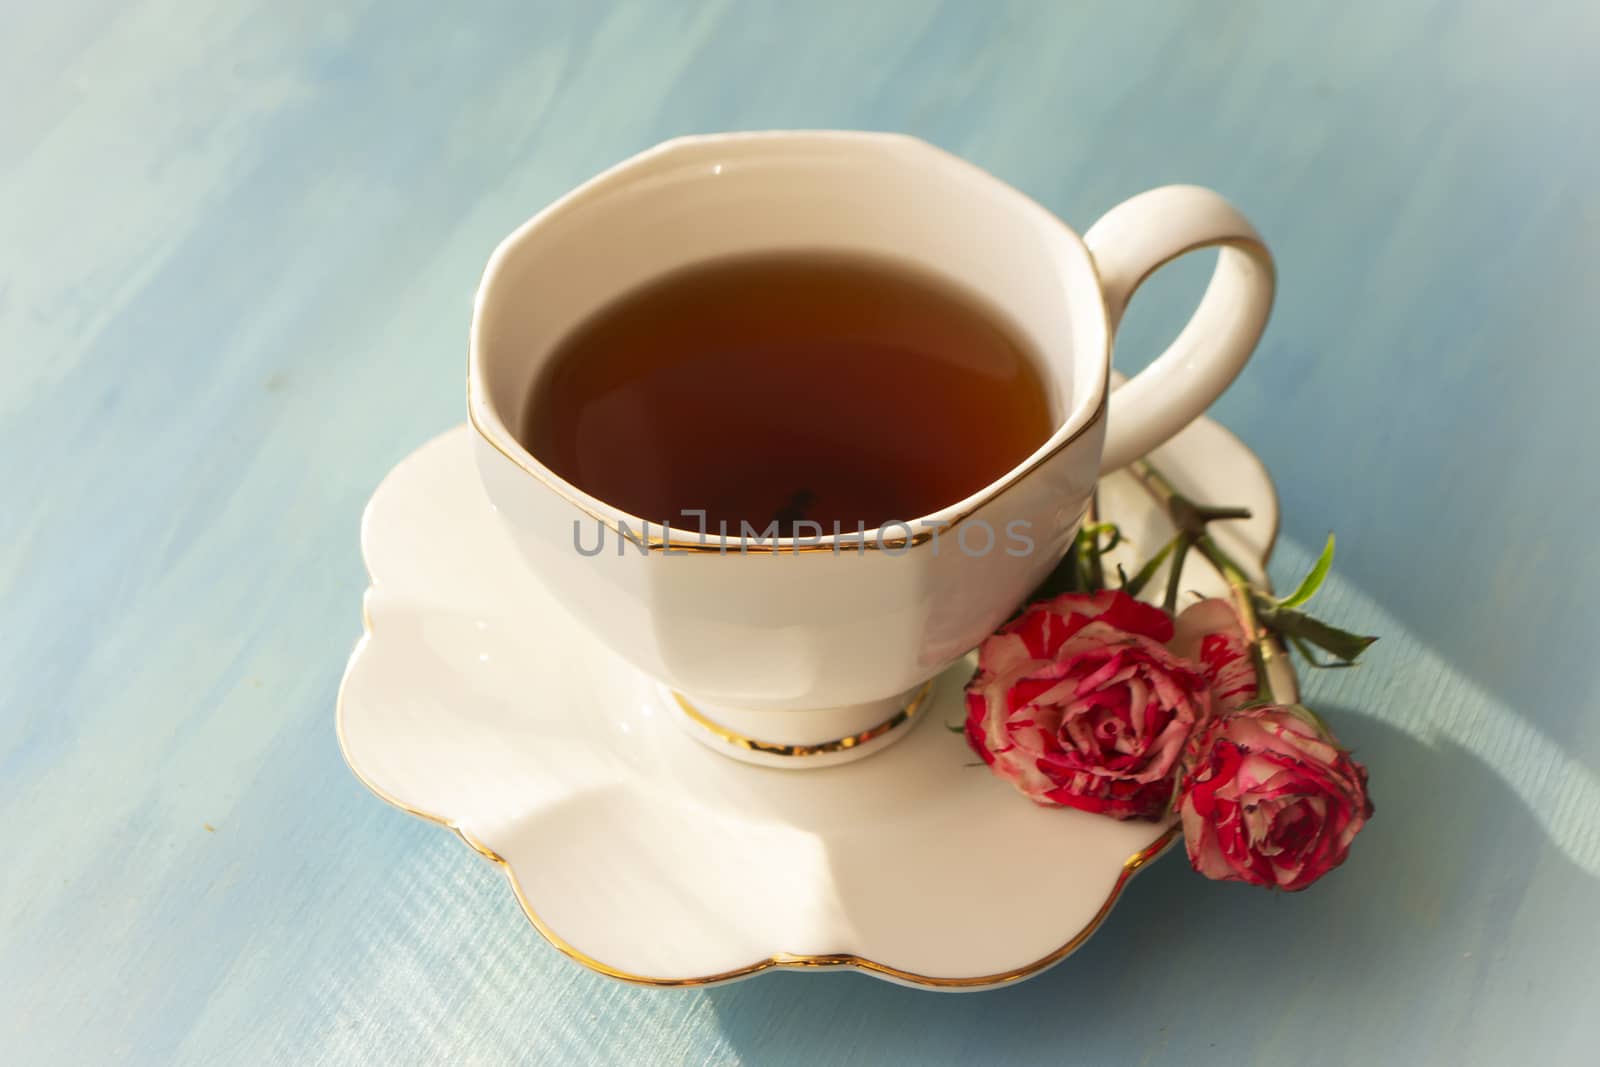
x: 237, y: 250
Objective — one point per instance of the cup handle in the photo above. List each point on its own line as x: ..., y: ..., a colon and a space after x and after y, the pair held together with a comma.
x: 1131, y: 242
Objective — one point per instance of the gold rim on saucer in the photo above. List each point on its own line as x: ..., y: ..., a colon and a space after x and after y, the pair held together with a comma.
x: 820, y: 748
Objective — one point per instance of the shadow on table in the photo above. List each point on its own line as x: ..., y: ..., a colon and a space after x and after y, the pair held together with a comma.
x: 1412, y: 919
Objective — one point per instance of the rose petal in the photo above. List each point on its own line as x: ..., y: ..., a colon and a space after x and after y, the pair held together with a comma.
x: 1209, y: 633
x: 1267, y: 797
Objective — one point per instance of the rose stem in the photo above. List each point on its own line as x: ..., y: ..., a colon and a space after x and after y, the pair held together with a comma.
x: 1190, y: 519
x: 1180, y: 552
x: 1262, y: 647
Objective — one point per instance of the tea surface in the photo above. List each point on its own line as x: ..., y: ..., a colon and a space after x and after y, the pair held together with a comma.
x: 788, y: 387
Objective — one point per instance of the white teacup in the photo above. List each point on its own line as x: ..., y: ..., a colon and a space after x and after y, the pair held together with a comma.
x: 806, y: 652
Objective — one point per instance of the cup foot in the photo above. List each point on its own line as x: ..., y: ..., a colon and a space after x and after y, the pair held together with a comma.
x: 823, y: 737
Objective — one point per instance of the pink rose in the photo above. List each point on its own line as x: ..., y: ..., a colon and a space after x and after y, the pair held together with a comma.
x: 1268, y: 797
x: 1209, y: 632
x: 1088, y: 701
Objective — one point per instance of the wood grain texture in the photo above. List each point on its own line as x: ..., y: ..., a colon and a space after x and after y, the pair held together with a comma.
x: 238, y: 245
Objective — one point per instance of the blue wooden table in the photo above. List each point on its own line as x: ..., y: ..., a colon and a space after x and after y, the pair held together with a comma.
x: 238, y: 244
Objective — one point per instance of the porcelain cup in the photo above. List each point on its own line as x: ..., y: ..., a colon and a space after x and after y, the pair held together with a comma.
x: 803, y: 652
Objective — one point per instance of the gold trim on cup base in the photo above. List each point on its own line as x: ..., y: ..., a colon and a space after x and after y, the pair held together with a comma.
x: 799, y: 751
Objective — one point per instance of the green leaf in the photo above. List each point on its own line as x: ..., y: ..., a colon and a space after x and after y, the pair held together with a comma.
x: 1092, y: 571
x: 1092, y: 532
x: 1318, y: 664
x: 1297, y: 626
x: 1135, y: 585
x: 1313, y: 581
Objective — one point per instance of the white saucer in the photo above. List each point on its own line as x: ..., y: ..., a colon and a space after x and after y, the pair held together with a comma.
x: 475, y: 701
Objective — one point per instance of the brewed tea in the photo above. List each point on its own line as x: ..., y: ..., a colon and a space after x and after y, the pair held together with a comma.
x: 787, y: 387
